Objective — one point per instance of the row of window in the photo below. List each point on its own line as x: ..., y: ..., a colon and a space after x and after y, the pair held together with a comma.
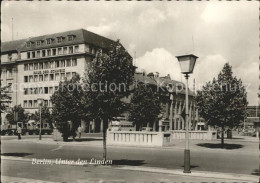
x: 34, y: 103
x: 50, y: 65
x: 39, y: 90
x: 50, y: 40
x: 49, y: 77
x: 53, y: 52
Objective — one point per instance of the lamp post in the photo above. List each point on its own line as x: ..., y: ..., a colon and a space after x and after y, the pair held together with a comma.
x: 187, y: 63
x: 40, y: 102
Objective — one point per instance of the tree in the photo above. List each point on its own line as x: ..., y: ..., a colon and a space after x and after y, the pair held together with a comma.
x: 5, y: 99
x: 107, y: 82
x: 222, y: 102
x: 67, y: 107
x: 144, y: 107
x: 46, y: 116
x: 22, y: 116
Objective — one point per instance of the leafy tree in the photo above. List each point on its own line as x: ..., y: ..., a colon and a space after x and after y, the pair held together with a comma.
x: 67, y: 107
x: 144, y: 107
x: 4, y: 98
x: 222, y: 102
x: 107, y: 82
x: 46, y: 116
x: 22, y: 116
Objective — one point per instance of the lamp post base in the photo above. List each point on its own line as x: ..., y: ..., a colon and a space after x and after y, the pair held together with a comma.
x: 186, y: 161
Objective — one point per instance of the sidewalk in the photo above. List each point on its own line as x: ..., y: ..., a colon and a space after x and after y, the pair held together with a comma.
x: 119, y: 174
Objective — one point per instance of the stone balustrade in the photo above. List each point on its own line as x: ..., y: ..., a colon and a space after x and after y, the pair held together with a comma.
x: 138, y: 138
x: 194, y: 135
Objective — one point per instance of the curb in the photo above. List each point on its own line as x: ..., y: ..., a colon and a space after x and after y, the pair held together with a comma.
x: 204, y: 174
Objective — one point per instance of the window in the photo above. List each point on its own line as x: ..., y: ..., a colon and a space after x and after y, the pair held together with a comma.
x: 38, y: 43
x: 46, y: 77
x: 51, y: 90
x: 70, y: 37
x: 59, y: 51
x: 25, y: 79
x: 35, y: 104
x: 46, y: 90
x: 74, y: 62
x: 40, y: 90
x: 59, y: 39
x: 40, y: 65
x: 30, y: 78
x: 57, y: 64
x: 62, y: 76
x: 76, y: 49
x: 35, y: 66
x: 40, y: 77
x: 43, y: 53
x: 33, y: 54
x: 65, y: 50
x: 48, y: 41
x: 57, y: 77
x: 68, y: 75
x: 25, y: 91
x: 26, y: 67
x: 52, y: 64
x: 62, y: 63
x: 36, y: 91
x: 51, y: 77
x: 28, y: 44
x: 30, y: 67
x: 9, y: 56
x: 56, y: 88
x: 70, y: 49
x: 30, y: 91
x: 38, y: 54
x: 53, y: 51
x: 9, y: 73
x: 68, y: 63
x: 48, y: 52
x: 73, y: 74
x: 36, y: 78
x: 28, y: 54
x: 46, y: 102
x: 50, y: 103
x: 30, y: 103
x: 46, y: 65
x: 25, y: 103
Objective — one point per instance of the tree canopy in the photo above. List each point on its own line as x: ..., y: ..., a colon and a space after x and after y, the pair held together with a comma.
x: 145, y: 106
x: 22, y: 116
x: 67, y: 106
x: 223, y: 101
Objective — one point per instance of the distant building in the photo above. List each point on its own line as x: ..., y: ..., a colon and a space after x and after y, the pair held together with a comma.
x: 252, y: 119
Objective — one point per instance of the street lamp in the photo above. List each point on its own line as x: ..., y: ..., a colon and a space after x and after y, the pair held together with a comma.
x: 187, y: 63
x: 40, y: 102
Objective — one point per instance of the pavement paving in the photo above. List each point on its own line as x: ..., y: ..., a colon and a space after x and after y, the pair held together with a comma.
x: 23, y: 171
x: 239, y: 161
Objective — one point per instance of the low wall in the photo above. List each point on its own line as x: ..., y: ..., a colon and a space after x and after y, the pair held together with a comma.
x: 138, y: 138
x: 194, y: 135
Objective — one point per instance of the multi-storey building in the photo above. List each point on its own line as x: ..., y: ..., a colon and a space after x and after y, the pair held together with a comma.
x: 34, y: 67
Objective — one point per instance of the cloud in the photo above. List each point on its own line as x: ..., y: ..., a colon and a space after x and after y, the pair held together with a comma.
x: 208, y: 67
x: 160, y: 60
x: 151, y: 16
x: 103, y: 28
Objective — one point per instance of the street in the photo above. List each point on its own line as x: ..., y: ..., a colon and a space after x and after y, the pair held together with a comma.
x: 240, y: 157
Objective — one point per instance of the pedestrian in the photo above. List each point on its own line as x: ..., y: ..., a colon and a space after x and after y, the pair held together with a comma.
x: 19, y: 131
x: 79, y: 131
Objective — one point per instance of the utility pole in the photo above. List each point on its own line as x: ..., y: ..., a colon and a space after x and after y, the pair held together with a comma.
x: 12, y: 29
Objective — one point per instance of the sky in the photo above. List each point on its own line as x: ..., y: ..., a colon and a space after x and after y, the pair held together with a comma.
x: 154, y: 33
